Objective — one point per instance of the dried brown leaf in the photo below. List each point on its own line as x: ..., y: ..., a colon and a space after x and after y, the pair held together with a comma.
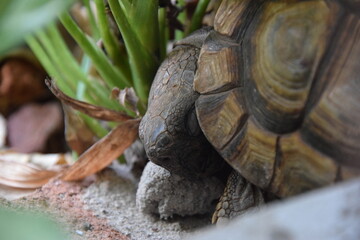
x: 102, y: 153
x: 23, y: 175
x: 43, y: 161
x: 77, y: 134
x: 89, y: 109
x: 3, y: 131
x: 127, y: 98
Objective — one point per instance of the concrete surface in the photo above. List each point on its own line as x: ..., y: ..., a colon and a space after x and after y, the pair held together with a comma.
x: 332, y: 213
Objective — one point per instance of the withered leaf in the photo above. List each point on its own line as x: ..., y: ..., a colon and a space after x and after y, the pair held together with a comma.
x: 77, y: 134
x: 3, y: 131
x: 102, y: 153
x: 23, y: 175
x: 44, y: 161
x: 127, y: 98
x: 89, y: 109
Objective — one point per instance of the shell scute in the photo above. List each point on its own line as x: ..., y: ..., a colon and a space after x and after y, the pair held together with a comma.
x: 219, y: 65
x: 220, y: 115
x: 252, y: 152
x: 300, y: 167
x: 332, y: 121
x: 284, y: 48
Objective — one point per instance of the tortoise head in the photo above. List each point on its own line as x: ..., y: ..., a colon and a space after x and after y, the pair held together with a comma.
x: 169, y: 130
x: 177, y: 143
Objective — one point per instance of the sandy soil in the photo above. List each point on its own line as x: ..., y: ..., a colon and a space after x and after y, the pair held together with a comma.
x: 113, y: 198
x: 103, y: 207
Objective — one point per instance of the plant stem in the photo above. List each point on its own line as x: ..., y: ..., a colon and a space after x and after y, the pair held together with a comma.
x: 111, y: 43
x: 198, y: 16
x: 163, y: 32
x: 143, y: 64
x: 182, y: 17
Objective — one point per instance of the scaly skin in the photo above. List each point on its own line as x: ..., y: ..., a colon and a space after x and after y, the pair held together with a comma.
x: 239, y: 196
x: 169, y: 130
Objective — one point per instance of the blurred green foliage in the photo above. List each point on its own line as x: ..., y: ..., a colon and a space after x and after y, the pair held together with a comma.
x: 19, y: 18
x: 28, y: 226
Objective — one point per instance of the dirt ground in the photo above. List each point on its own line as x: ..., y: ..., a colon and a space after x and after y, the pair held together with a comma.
x: 103, y: 207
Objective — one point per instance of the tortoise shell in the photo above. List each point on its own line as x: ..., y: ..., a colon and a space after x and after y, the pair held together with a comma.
x: 279, y: 85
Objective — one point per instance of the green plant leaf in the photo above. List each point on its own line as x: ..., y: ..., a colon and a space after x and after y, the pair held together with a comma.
x: 163, y: 32
x: 94, y: 28
x: 29, y: 226
x: 47, y: 63
x: 182, y: 18
x: 198, y: 16
x: 142, y: 62
x: 144, y: 21
x: 116, y: 54
x: 112, y: 76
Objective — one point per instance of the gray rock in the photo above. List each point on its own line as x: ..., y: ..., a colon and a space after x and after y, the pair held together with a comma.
x: 136, y: 160
x: 332, y: 213
x: 165, y: 194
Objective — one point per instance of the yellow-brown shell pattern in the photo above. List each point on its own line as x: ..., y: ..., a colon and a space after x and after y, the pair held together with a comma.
x: 280, y: 91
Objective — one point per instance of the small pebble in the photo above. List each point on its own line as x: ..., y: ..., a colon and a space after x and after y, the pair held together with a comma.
x: 105, y: 212
x: 87, y: 227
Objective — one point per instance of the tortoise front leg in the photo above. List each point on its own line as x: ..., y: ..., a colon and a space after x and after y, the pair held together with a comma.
x: 239, y: 197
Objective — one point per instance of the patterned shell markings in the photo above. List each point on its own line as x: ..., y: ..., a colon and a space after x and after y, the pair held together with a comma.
x: 280, y: 92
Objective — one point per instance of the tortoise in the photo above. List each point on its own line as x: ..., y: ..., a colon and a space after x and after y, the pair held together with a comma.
x: 273, y: 88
